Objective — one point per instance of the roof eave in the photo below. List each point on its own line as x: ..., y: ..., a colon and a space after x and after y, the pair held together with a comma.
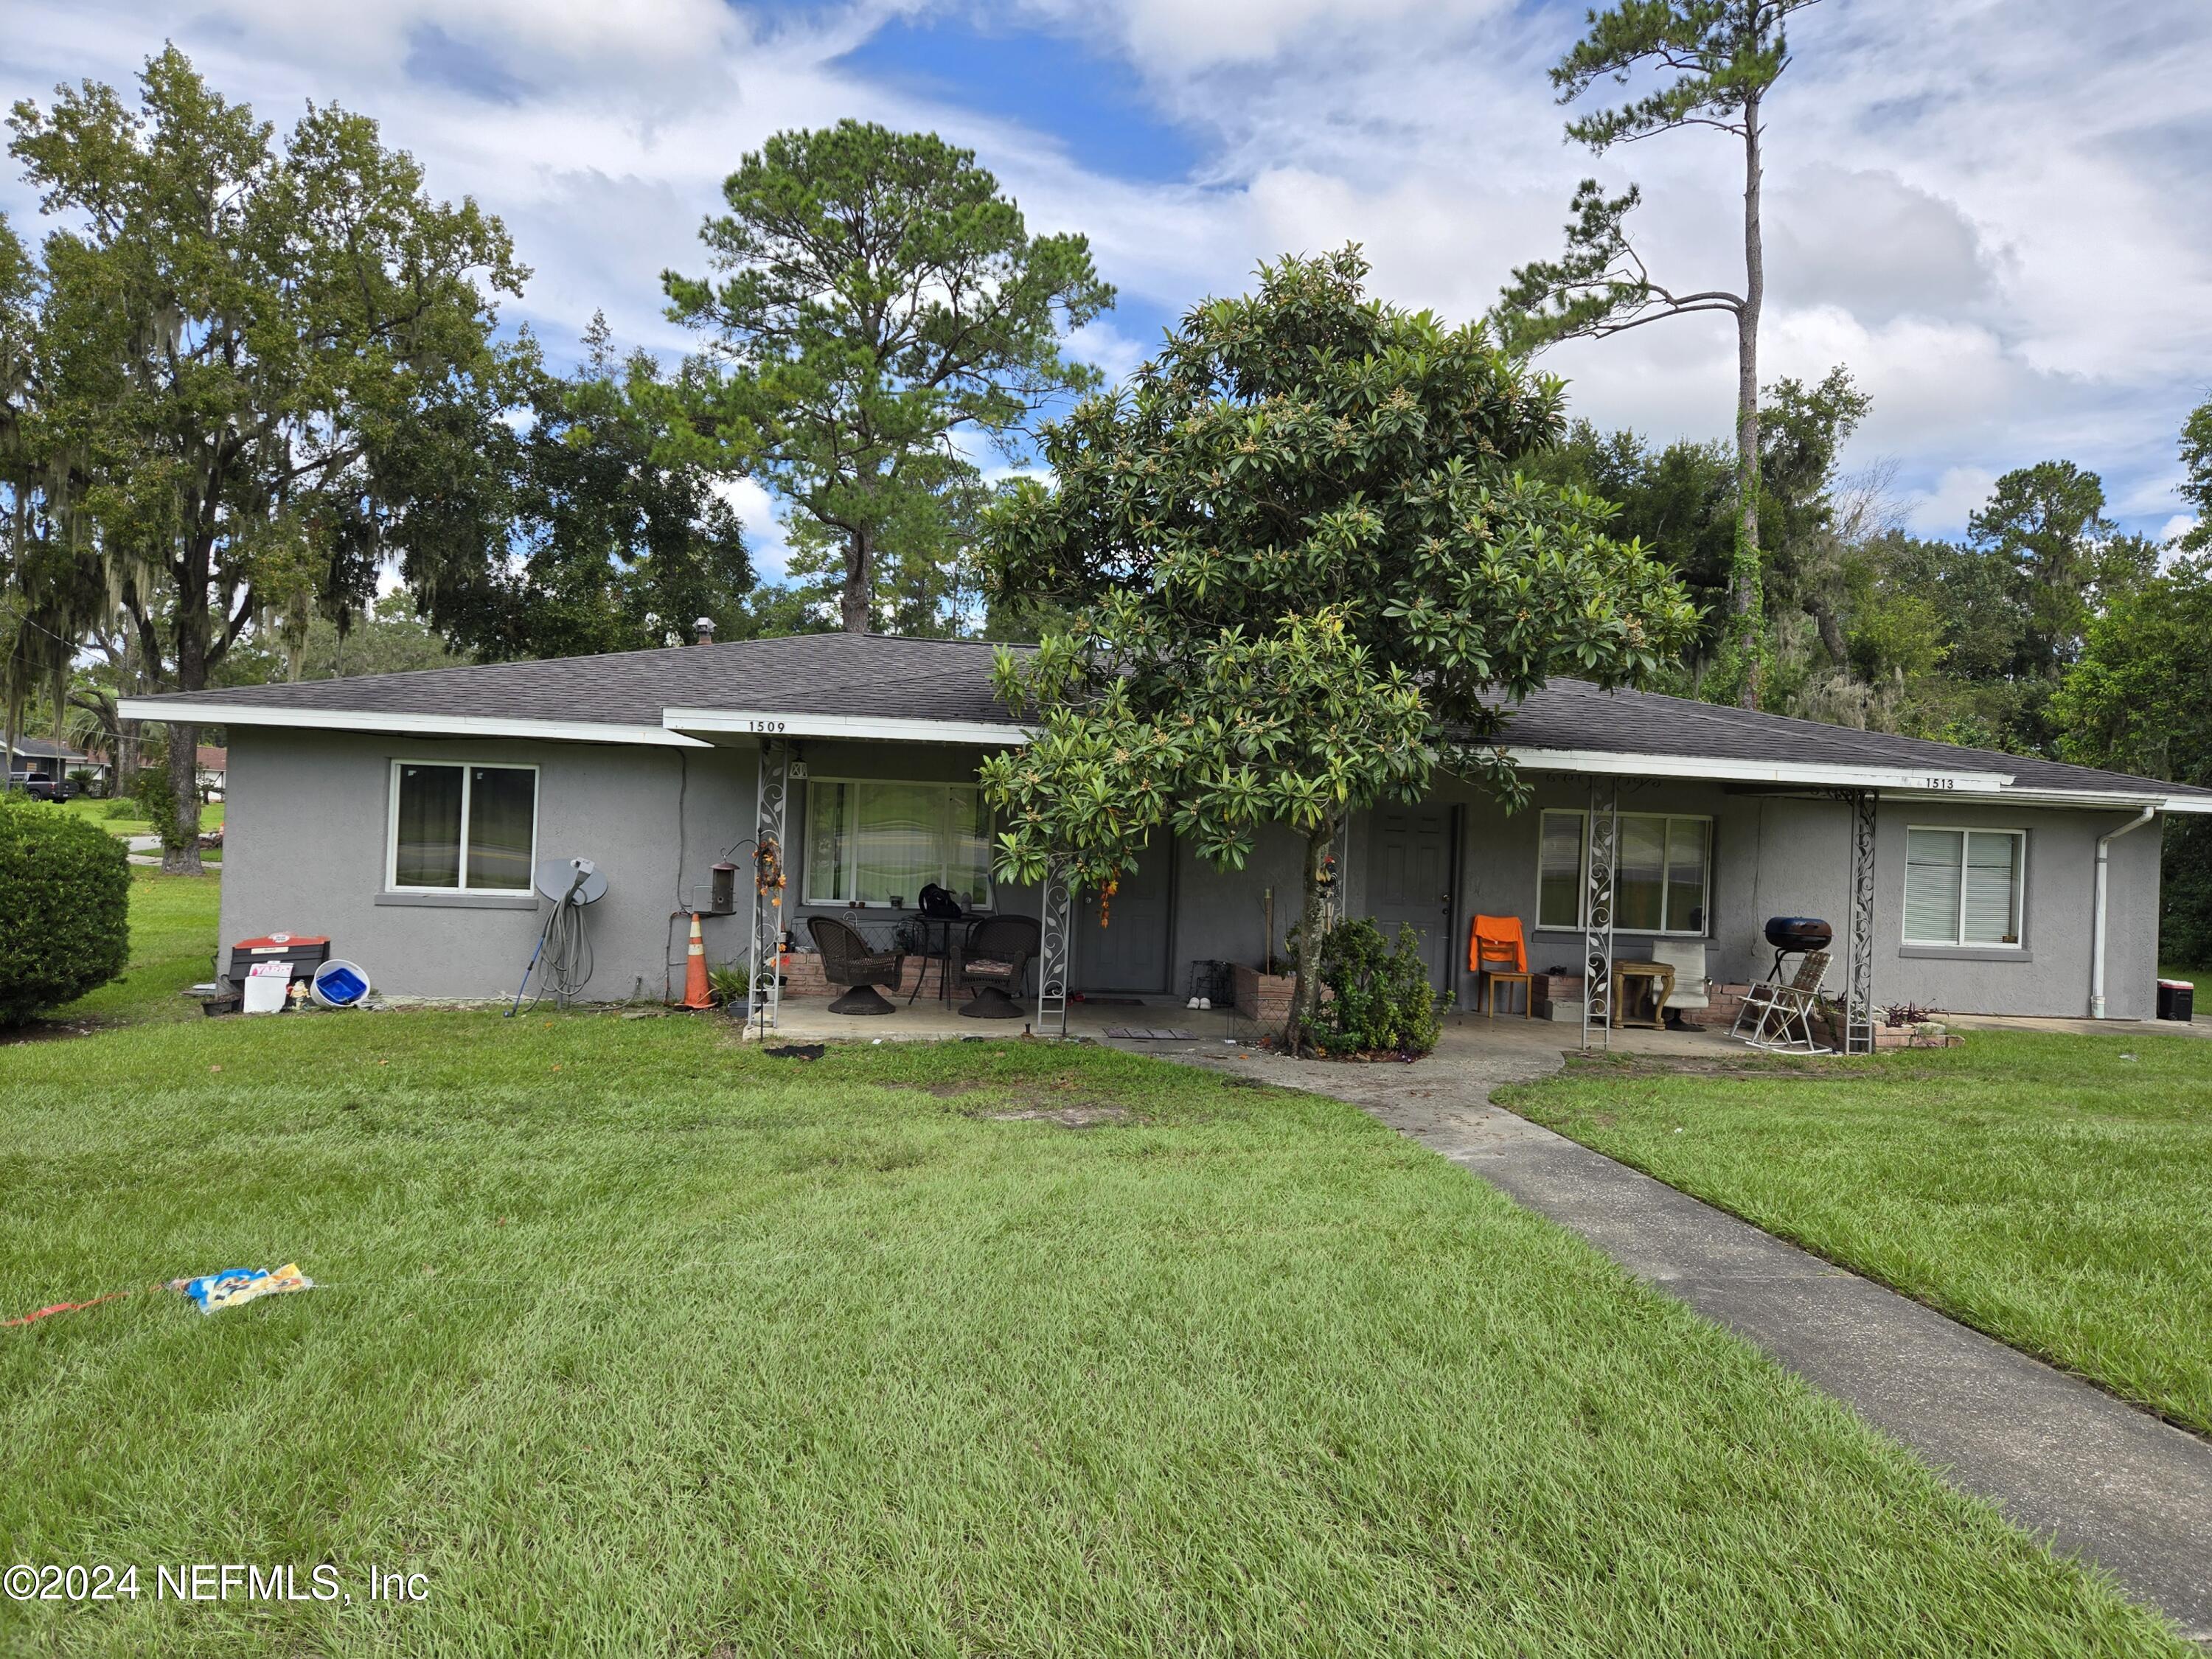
x: 1819, y: 774
x: 756, y: 723
x: 408, y: 723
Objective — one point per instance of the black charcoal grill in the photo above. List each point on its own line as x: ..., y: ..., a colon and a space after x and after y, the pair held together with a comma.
x: 1794, y: 936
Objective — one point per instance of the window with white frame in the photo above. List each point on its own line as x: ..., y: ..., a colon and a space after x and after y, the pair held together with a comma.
x: 1964, y: 887
x: 874, y: 841
x: 1662, y: 873
x: 460, y: 829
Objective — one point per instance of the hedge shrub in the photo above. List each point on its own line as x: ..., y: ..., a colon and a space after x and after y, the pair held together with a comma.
x: 64, y: 907
x: 1380, y: 999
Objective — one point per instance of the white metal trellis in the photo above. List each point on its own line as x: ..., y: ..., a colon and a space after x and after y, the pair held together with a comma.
x: 771, y: 811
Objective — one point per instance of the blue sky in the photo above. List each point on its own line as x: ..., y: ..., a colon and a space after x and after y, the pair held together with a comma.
x: 1993, y: 211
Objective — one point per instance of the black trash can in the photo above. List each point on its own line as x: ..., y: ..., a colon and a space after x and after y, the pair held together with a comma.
x: 2177, y: 999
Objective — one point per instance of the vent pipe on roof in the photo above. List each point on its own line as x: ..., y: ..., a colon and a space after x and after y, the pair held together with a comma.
x: 705, y: 630
x: 2096, y: 917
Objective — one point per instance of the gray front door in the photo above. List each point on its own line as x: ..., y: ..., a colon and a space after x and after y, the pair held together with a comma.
x: 1130, y: 952
x: 1409, y: 880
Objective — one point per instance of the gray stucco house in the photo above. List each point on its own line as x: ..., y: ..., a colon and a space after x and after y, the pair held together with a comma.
x: 402, y: 814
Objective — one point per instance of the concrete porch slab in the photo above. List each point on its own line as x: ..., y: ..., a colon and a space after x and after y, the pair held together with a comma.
x: 1508, y: 1042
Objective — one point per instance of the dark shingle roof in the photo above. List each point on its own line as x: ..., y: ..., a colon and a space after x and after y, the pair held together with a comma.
x: 1575, y: 714
x: 893, y: 678
x: 802, y: 674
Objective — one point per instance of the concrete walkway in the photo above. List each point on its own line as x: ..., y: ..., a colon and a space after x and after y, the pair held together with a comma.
x: 2096, y: 1478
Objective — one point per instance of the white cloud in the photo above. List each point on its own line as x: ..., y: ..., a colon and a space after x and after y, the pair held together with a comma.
x: 1993, y: 211
x: 1943, y: 511
x: 761, y: 514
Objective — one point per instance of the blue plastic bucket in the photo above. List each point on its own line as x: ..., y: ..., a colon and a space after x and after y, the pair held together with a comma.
x: 338, y: 985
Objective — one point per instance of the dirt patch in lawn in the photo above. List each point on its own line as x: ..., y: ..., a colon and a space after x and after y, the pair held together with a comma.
x: 1079, y: 1114
x: 53, y: 1031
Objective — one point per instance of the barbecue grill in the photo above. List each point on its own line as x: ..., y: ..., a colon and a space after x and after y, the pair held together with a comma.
x: 1793, y: 936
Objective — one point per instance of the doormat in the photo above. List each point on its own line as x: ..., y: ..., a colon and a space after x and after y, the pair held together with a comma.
x: 1150, y: 1034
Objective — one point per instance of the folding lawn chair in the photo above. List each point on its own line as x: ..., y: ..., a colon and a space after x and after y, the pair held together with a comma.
x: 1779, y: 1018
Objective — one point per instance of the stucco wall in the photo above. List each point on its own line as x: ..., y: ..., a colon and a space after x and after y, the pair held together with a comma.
x: 304, y: 853
x: 305, y: 839
x: 1779, y: 856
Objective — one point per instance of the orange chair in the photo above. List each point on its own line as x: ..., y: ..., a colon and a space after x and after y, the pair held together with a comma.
x: 1495, y: 951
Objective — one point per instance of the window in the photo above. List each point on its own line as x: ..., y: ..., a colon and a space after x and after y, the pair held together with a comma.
x: 875, y: 842
x: 1660, y: 872
x: 462, y: 829
x: 1963, y: 886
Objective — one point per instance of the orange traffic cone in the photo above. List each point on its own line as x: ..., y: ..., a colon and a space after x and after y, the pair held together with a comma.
x: 695, y: 993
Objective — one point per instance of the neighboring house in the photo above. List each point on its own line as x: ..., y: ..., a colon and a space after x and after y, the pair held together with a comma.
x: 55, y: 760
x: 402, y: 814
x: 211, y: 765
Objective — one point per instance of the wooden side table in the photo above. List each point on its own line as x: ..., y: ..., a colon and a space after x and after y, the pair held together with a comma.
x: 1526, y: 982
x: 1659, y: 975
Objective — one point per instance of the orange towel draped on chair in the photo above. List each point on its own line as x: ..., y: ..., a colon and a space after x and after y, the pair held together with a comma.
x: 1494, y: 941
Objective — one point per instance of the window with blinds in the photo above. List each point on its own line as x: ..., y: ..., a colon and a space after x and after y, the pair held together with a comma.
x: 1964, y: 887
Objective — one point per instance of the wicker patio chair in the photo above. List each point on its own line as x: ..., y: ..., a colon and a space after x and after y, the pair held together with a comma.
x: 993, y: 963
x: 849, y: 960
x: 1779, y: 1018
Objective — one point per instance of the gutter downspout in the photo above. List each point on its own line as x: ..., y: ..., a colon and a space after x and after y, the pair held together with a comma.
x: 2097, y: 926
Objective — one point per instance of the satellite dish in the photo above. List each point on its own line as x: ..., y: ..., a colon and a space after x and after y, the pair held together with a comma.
x: 574, y: 881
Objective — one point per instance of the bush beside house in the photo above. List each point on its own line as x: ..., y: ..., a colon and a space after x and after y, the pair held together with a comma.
x: 1375, y: 998
x: 65, y: 894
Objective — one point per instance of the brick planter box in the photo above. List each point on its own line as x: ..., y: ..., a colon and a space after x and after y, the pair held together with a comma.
x: 1546, y: 990
x: 802, y: 977
x: 1262, y: 998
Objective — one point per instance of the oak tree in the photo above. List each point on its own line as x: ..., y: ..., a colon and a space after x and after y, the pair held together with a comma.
x: 229, y: 334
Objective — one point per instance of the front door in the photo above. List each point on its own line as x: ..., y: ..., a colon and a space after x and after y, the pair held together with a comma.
x: 1409, y: 880
x: 1130, y: 951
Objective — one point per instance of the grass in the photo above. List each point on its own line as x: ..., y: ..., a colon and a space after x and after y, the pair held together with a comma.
x: 172, y: 943
x: 635, y: 1341
x: 2054, y: 1192
x: 95, y: 811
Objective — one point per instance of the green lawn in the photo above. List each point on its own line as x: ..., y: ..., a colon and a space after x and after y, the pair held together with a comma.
x: 635, y: 1341
x: 2054, y: 1191
x: 173, y: 943
x: 95, y: 811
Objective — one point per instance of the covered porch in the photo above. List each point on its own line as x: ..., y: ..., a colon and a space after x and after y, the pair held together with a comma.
x: 1507, y: 1045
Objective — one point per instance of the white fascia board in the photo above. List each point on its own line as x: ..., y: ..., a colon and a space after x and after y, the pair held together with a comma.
x: 408, y: 725
x: 2116, y: 800
x: 877, y: 728
x: 1816, y: 775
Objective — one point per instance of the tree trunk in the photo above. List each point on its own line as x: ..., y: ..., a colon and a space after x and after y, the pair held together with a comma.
x: 857, y: 603
x: 180, y: 837
x: 1832, y: 632
x: 124, y: 758
x: 1745, y: 627
x: 1305, y: 993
